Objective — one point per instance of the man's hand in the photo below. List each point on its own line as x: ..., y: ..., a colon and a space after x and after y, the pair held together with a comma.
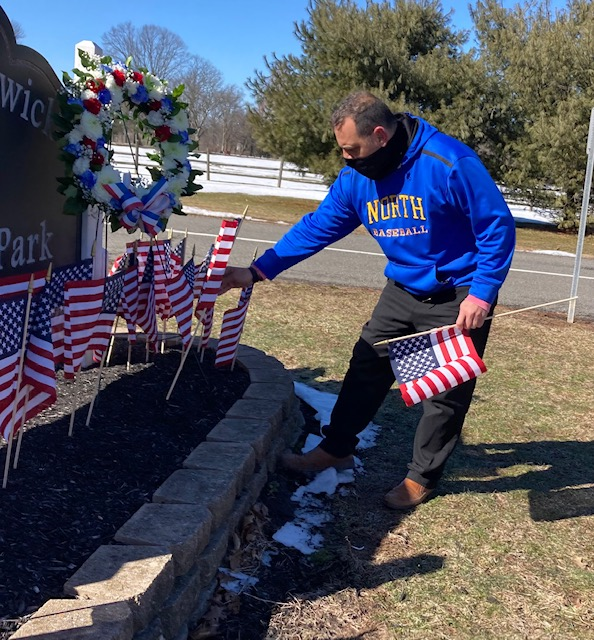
x: 471, y: 316
x: 236, y: 278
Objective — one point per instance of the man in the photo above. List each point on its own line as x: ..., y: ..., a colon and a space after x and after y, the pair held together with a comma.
x: 448, y: 236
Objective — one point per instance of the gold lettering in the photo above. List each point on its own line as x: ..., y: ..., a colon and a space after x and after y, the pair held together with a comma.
x: 372, y: 214
x: 417, y: 209
x: 395, y: 209
x: 403, y: 198
x: 385, y: 211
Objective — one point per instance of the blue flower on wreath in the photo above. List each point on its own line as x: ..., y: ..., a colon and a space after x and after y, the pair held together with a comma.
x: 141, y: 95
x: 73, y: 149
x: 184, y: 136
x: 75, y: 101
x: 166, y: 105
x: 104, y: 96
x: 88, y: 179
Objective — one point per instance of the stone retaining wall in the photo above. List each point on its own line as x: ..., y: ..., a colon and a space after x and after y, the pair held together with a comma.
x: 156, y: 580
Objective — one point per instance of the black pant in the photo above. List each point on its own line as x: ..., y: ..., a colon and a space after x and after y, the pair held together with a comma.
x: 370, y: 377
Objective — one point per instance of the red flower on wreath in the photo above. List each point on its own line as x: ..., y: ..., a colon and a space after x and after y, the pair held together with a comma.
x: 119, y: 76
x: 137, y: 77
x: 162, y: 133
x: 97, y: 159
x: 93, y: 105
x: 154, y: 105
x: 95, y: 85
x: 89, y: 143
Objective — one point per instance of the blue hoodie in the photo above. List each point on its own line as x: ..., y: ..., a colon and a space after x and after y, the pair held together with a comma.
x: 439, y: 218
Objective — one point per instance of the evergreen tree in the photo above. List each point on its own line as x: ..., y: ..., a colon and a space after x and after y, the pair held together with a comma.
x: 345, y: 47
x: 544, y: 62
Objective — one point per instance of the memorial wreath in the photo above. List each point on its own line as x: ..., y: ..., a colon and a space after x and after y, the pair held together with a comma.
x: 98, y: 95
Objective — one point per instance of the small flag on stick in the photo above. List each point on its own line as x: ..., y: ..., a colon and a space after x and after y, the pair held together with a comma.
x: 427, y: 364
x: 231, y: 330
x: 218, y: 264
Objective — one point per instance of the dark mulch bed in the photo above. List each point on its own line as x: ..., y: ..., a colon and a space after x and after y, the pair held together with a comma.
x: 69, y: 495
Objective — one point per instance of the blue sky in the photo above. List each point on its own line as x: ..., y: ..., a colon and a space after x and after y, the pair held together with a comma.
x: 234, y: 35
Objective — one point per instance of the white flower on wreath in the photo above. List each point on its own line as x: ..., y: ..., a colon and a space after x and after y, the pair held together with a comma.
x: 155, y: 118
x: 90, y: 125
x: 107, y: 175
x: 81, y: 165
x: 179, y: 122
x: 174, y: 150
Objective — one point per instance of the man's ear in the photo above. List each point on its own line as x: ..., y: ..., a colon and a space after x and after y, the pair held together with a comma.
x: 381, y: 135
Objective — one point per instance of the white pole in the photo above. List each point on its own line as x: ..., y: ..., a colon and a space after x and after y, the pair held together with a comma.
x: 583, y: 219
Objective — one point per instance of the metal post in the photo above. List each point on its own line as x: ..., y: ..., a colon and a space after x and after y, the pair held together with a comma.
x: 208, y: 164
x: 583, y: 219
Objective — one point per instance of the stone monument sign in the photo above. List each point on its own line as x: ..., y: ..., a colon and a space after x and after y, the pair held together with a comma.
x: 33, y: 230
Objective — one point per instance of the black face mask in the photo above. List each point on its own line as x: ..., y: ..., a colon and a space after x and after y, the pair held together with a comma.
x: 383, y: 161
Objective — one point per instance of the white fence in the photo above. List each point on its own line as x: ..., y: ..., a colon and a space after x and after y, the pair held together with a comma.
x: 225, y: 172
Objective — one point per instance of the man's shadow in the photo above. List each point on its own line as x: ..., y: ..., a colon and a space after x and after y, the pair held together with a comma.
x: 555, y: 474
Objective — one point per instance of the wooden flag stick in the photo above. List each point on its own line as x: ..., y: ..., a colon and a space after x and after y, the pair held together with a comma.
x: 129, y: 359
x: 71, y: 425
x: 183, y: 359
x: 88, y: 421
x: 451, y: 326
x: 17, y: 452
x: 163, y: 336
x: 112, y: 340
x: 19, y: 379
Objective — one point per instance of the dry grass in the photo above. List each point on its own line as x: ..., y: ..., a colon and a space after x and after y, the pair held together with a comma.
x: 270, y: 208
x: 506, y: 549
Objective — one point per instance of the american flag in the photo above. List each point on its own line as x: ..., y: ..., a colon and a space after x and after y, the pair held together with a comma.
x: 102, y: 330
x: 181, y: 296
x: 55, y: 291
x: 118, y: 263
x: 38, y: 386
x: 12, y: 311
x: 128, y: 308
x: 207, y: 319
x: 83, y: 301
x: 232, y: 328
x: 431, y: 363
x: 13, y: 285
x: 218, y: 264
x: 147, y: 318
x: 201, y: 271
x: 161, y: 250
x: 177, y: 258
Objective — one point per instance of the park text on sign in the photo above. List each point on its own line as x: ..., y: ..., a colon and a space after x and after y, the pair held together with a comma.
x: 33, y: 230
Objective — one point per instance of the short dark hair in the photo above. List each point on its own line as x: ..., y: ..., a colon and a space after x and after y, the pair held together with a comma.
x: 366, y: 110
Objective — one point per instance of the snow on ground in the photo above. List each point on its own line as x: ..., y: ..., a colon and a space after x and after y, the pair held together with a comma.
x: 305, y: 531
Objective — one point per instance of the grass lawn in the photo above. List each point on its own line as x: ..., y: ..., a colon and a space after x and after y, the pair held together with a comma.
x: 506, y: 549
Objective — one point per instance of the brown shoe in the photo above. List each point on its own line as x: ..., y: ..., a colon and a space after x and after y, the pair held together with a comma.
x: 315, y: 460
x: 406, y: 495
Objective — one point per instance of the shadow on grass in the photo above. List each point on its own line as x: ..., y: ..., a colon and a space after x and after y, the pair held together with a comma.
x: 553, y: 472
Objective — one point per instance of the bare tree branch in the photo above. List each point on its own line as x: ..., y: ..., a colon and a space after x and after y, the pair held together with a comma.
x: 161, y: 51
